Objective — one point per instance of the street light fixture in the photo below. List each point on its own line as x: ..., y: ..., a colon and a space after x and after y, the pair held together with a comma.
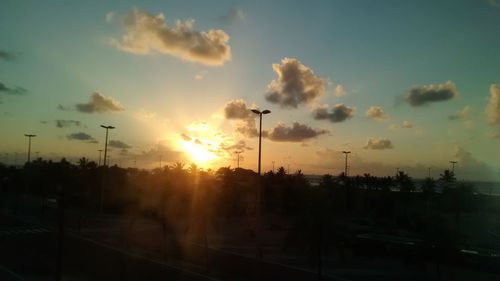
x: 346, y: 153
x: 453, y: 166
x: 106, y: 143
x: 29, y: 144
x: 238, y: 154
x: 259, y: 188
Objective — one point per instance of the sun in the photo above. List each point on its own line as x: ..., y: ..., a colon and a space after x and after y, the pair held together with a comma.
x: 198, y: 152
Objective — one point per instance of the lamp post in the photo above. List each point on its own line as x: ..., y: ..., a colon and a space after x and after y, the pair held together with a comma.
x: 29, y: 144
x: 238, y: 157
x: 106, y: 143
x: 259, y: 188
x: 453, y: 166
x: 346, y: 153
x: 100, y: 151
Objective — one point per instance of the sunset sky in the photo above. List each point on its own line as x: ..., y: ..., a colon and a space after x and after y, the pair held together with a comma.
x: 401, y: 84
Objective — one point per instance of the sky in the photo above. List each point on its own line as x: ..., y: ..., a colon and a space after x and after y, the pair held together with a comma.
x: 407, y: 85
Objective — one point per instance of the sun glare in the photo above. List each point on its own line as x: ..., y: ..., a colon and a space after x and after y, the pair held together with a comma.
x: 198, y: 152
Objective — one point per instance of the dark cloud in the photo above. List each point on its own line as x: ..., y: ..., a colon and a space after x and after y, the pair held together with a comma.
x: 338, y: 113
x: 12, y: 91
x: 64, y: 123
x: 297, y: 133
x: 118, y: 144
x: 422, y: 95
x: 81, y: 136
x: 233, y: 16
x: 378, y: 144
x: 377, y: 113
x: 145, y: 33
x: 296, y: 84
x: 7, y: 56
x: 99, y: 103
x: 63, y: 108
x: 240, y: 146
x: 493, y: 107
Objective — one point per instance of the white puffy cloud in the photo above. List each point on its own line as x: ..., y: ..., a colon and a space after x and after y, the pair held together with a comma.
x: 145, y: 33
x: 295, y: 85
x: 377, y: 113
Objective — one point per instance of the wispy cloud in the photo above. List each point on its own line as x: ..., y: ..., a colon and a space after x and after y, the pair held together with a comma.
x: 493, y: 107
x: 425, y: 94
x: 338, y: 113
x: 145, y: 33
x: 378, y: 144
x: 60, y: 123
x: 295, y: 85
x: 296, y: 133
x: 99, y: 103
x: 7, y: 56
x: 233, y: 16
x: 12, y: 91
x: 406, y: 125
x: 82, y: 137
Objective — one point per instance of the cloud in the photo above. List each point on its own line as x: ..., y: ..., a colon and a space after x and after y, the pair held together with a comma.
x: 406, y: 125
x: 120, y: 145
x: 297, y: 133
x: 81, y: 136
x: 377, y: 113
x: 238, y: 110
x: 201, y: 75
x: 12, y: 91
x: 7, y: 56
x: 339, y: 91
x: 145, y: 33
x: 296, y: 84
x: 378, y: 144
x: 99, y: 103
x: 493, y: 107
x: 63, y: 108
x: 233, y: 16
x: 494, y: 135
x: 462, y: 114
x: 238, y: 146
x: 338, y: 113
x: 494, y: 3
x: 422, y: 95
x: 65, y: 123
x: 145, y: 115
x: 186, y: 137
x: 163, y: 149
x: 470, y: 167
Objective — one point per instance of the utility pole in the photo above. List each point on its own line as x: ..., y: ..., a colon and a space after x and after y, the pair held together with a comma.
x: 100, y: 151
x: 429, y: 174
x: 29, y: 144
x: 273, y: 167
x: 346, y: 153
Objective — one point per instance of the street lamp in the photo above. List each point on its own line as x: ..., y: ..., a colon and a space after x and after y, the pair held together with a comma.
x: 260, y: 113
x: 29, y: 144
x: 238, y: 154
x: 346, y: 153
x: 106, y: 143
x: 259, y: 188
x: 453, y: 166
x: 100, y: 151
